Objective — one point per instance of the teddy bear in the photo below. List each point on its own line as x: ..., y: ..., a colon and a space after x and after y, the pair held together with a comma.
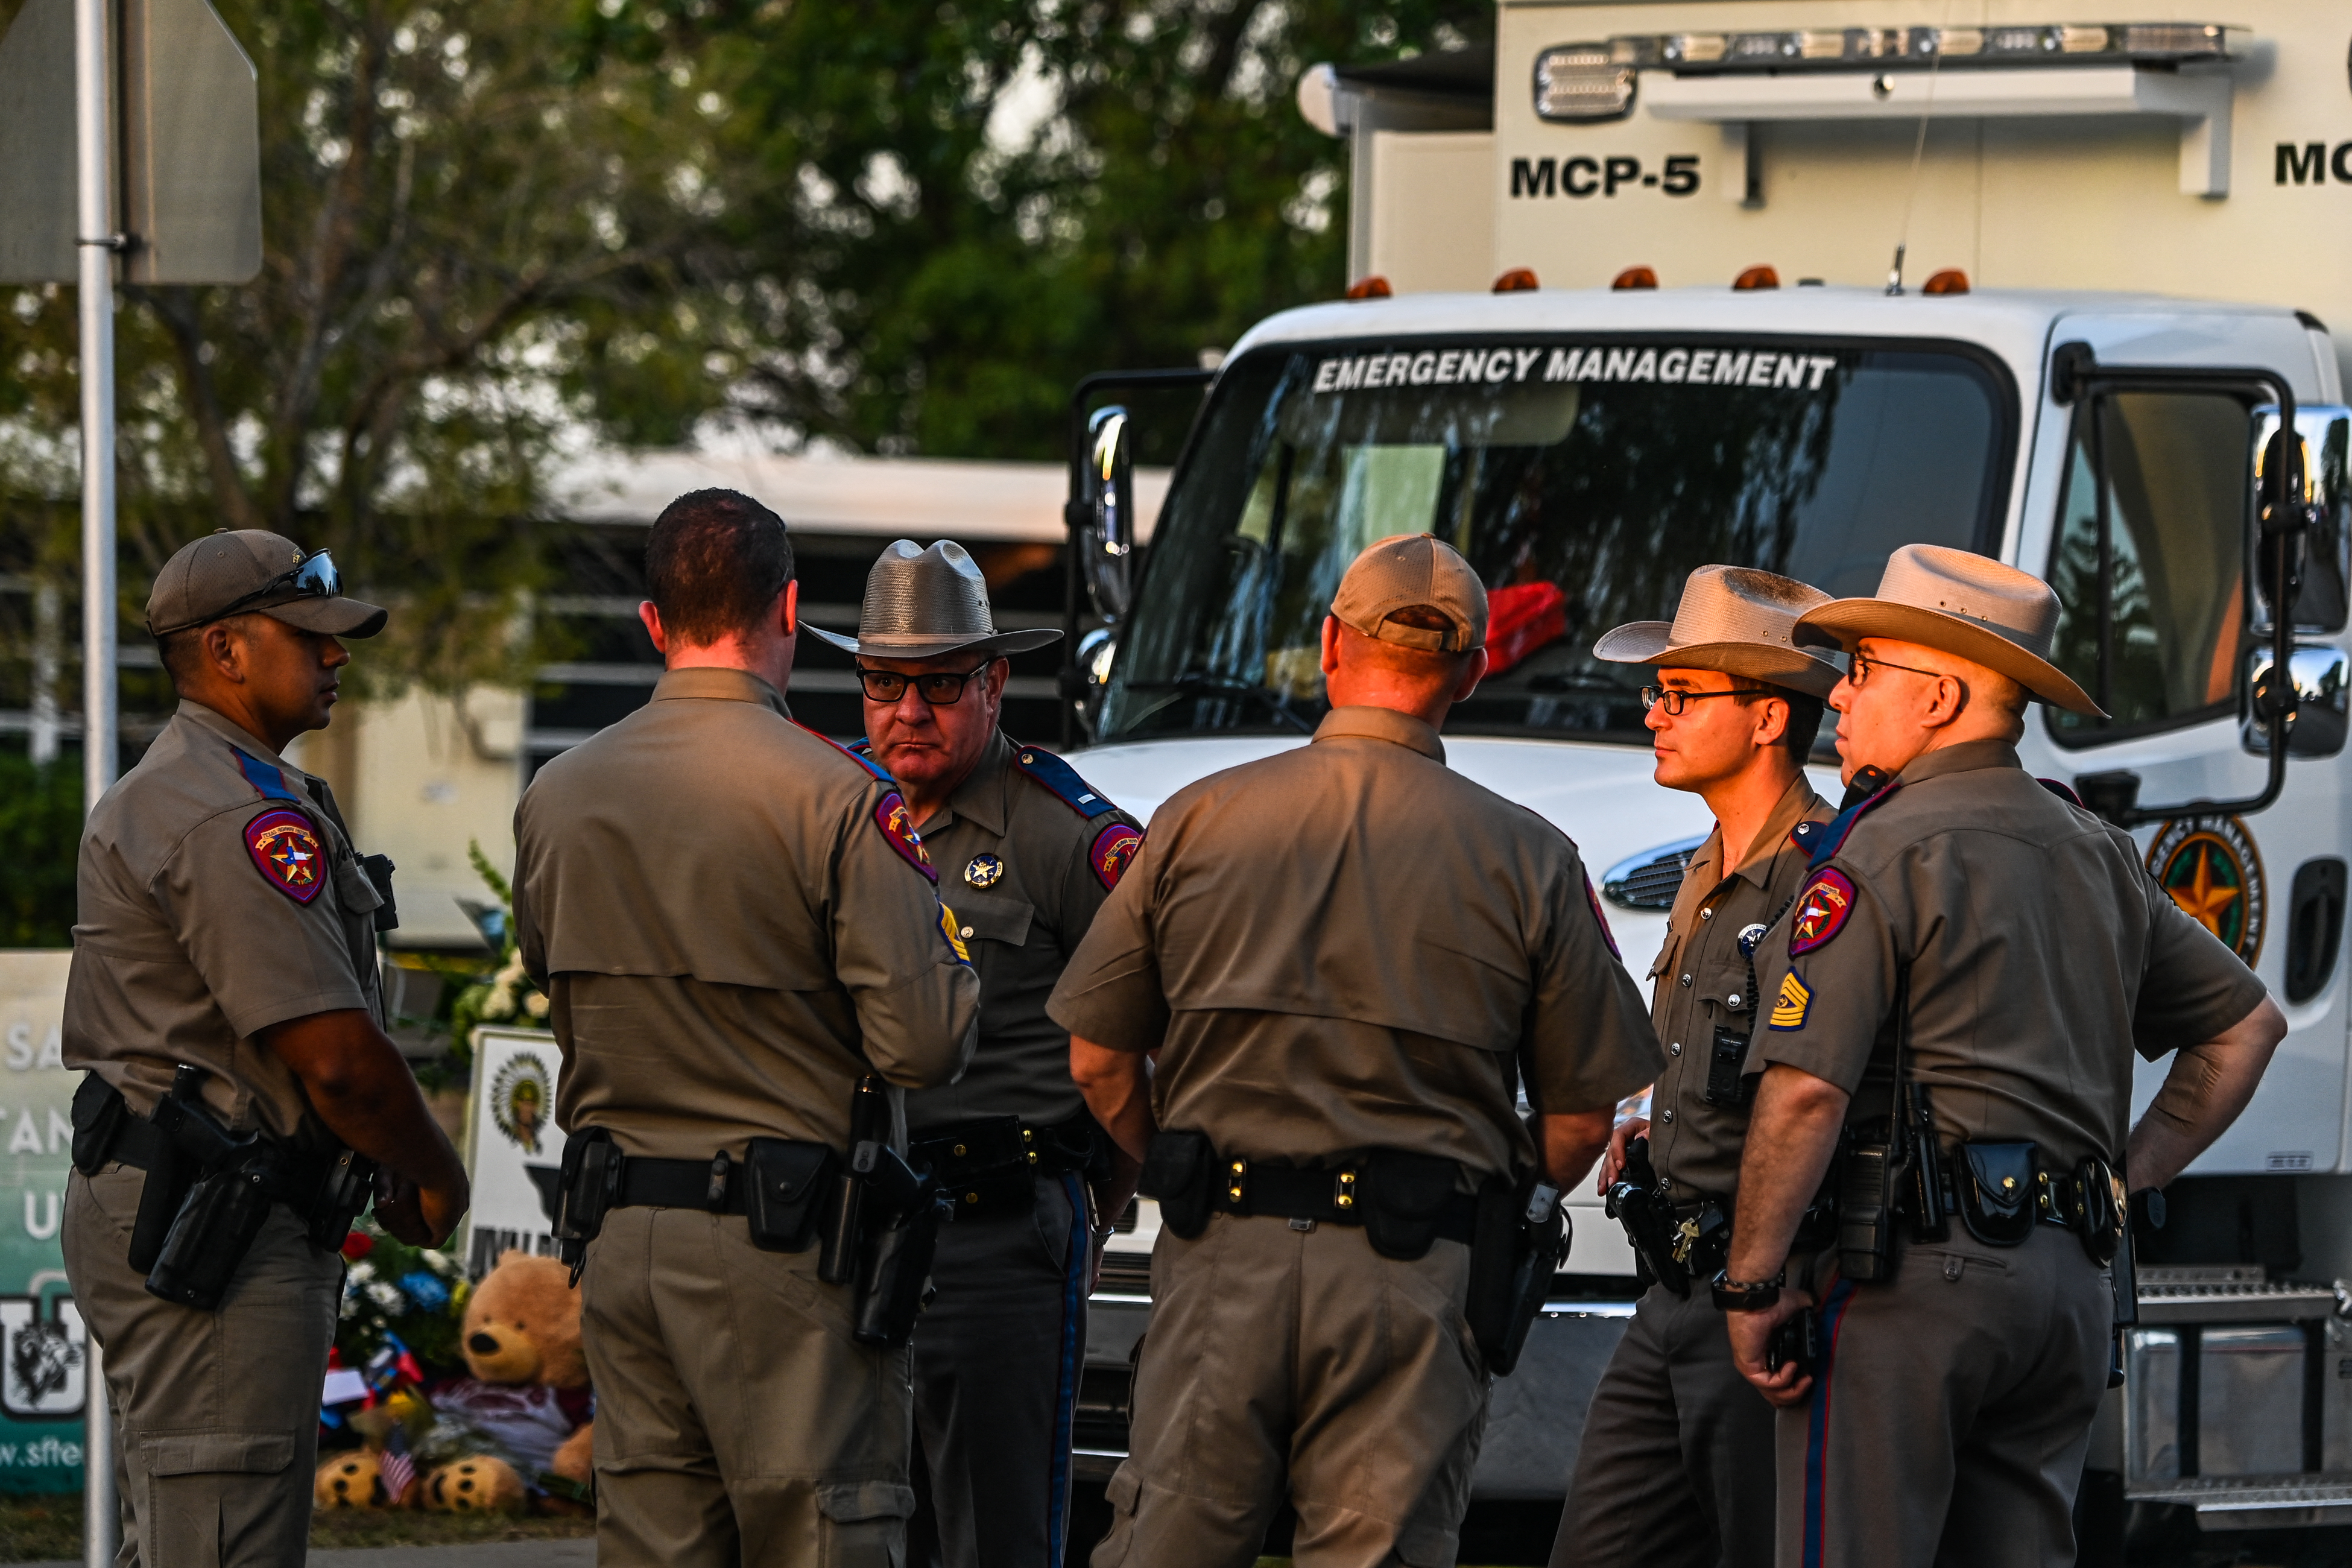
x: 527, y: 1398
x: 529, y: 1389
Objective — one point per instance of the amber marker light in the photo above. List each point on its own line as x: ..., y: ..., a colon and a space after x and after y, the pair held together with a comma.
x: 1634, y: 278
x: 1756, y: 277
x: 1372, y: 288
x: 1951, y: 281
x: 1517, y: 281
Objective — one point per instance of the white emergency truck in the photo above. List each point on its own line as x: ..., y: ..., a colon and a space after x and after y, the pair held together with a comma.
x: 1625, y: 308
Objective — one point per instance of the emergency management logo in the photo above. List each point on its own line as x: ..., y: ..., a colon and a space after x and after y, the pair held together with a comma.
x: 1686, y: 365
x: 44, y: 1369
x: 519, y: 1096
x: 898, y: 826
x: 287, y: 852
x: 2209, y: 866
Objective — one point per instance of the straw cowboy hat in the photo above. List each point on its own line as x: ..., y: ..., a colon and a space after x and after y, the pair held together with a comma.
x: 924, y: 603
x: 1960, y: 604
x: 1735, y: 619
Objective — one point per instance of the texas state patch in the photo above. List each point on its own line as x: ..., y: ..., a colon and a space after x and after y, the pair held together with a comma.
x: 286, y: 850
x: 1794, y: 1002
x: 1114, y: 847
x: 1822, y: 910
x: 898, y: 826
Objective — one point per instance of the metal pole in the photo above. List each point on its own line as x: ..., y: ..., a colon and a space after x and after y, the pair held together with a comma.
x: 101, y: 1522
x: 96, y: 245
x: 94, y: 190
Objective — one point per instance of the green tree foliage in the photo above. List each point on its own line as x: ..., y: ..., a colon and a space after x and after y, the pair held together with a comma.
x: 942, y: 214
x: 40, y: 823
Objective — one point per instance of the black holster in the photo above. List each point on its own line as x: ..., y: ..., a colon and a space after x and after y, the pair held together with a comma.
x: 1637, y: 1202
x: 902, y: 1212
x: 1522, y: 1234
x: 591, y: 1186
x: 211, y: 1232
x: 1178, y: 1169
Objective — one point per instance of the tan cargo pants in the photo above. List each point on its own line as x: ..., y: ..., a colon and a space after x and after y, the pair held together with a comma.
x: 736, y: 1419
x: 217, y: 1414
x: 1300, y: 1361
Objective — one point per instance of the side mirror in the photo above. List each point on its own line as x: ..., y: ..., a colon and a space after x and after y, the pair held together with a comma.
x: 1106, y: 540
x: 2317, y: 485
x: 2322, y: 711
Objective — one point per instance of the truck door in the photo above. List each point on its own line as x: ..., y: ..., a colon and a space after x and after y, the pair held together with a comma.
x: 2155, y: 549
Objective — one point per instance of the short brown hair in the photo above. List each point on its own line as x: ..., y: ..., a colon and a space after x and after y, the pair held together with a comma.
x: 1804, y: 714
x: 180, y: 651
x: 714, y: 565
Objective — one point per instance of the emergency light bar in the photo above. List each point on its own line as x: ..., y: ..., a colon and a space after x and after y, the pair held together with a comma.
x: 1591, y: 82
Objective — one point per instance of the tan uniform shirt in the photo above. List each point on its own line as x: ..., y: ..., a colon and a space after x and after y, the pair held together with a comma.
x: 1702, y: 983
x: 733, y: 922
x: 1025, y: 869
x: 2041, y: 953
x: 1351, y: 946
x: 217, y: 895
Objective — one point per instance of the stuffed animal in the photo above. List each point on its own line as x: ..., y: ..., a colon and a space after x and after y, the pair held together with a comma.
x: 349, y: 1481
x: 529, y: 1393
x: 482, y: 1484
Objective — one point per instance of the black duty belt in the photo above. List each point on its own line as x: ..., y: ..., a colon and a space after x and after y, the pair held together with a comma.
x: 137, y: 1142
x: 1702, y: 1236
x: 1330, y: 1194
x: 992, y: 1163
x: 716, y: 1185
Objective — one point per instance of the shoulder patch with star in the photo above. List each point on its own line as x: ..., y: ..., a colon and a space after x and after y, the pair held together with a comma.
x: 285, y: 849
x: 1042, y: 766
x: 1822, y: 910
x: 898, y: 826
x: 1114, y: 849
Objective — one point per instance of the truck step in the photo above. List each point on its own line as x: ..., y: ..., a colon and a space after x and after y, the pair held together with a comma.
x: 2233, y: 1301
x: 2258, y: 1502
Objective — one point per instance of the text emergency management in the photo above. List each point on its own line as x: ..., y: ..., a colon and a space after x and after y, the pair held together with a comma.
x: 1497, y: 366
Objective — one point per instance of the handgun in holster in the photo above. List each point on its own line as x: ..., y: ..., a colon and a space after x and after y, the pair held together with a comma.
x: 1522, y: 1234
x: 206, y: 1196
x: 882, y: 1227
x: 588, y: 1186
x: 1637, y: 1202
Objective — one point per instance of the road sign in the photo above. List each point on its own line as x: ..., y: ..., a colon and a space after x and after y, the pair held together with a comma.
x: 187, y: 165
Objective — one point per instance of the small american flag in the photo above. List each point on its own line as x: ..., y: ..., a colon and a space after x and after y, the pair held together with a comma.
x: 397, y: 1468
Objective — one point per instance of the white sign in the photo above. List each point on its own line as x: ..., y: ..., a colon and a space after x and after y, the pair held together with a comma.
x: 513, y: 1148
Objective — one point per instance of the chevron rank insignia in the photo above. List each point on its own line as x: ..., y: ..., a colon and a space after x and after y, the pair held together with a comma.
x: 1789, y: 1007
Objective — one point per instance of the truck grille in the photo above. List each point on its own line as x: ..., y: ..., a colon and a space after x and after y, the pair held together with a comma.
x: 1651, y: 880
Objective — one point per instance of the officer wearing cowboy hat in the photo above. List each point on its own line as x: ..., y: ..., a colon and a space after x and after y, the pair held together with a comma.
x: 1026, y: 851
x: 1971, y: 935
x: 1676, y: 1464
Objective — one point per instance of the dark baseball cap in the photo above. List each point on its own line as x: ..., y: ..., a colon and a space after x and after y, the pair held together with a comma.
x: 232, y: 570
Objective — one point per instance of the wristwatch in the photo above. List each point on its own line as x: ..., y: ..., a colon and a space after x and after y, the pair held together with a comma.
x: 1745, y: 1295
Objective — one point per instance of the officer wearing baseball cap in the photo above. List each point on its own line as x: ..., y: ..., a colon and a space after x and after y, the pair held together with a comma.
x: 225, y: 999
x: 1968, y: 968
x: 1676, y: 1462
x: 1027, y: 851
x: 1348, y: 960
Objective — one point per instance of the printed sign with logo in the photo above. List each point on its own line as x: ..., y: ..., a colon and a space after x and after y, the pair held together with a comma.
x: 513, y: 1148
x: 43, y: 1363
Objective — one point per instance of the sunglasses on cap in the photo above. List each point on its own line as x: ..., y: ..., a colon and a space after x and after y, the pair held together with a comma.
x: 314, y: 577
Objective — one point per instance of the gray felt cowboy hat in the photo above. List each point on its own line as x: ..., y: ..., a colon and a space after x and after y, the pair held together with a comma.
x: 1961, y: 604
x: 925, y: 604
x: 1735, y: 619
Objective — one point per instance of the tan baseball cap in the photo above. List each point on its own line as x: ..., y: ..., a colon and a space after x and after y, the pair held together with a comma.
x: 231, y: 571
x: 1408, y: 569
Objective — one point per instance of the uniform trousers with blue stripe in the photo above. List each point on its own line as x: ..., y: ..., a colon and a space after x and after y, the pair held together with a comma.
x: 997, y: 1354
x: 1951, y: 1410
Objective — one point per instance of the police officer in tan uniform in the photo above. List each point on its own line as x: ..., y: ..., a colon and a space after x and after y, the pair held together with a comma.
x: 1349, y: 959
x: 1975, y: 954
x: 1675, y: 1462
x: 225, y: 961
x: 735, y: 924
x: 1029, y: 851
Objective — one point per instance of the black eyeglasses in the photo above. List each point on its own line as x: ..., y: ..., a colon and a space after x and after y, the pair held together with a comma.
x: 1859, y: 669
x: 940, y: 690
x: 1673, y: 700
x: 313, y: 577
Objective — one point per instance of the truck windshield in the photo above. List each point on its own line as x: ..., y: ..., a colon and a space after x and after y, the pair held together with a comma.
x: 1583, y: 479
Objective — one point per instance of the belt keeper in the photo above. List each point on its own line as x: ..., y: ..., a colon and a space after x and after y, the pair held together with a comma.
x: 1236, y: 1180
x: 714, y: 1197
x: 1345, y: 1198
